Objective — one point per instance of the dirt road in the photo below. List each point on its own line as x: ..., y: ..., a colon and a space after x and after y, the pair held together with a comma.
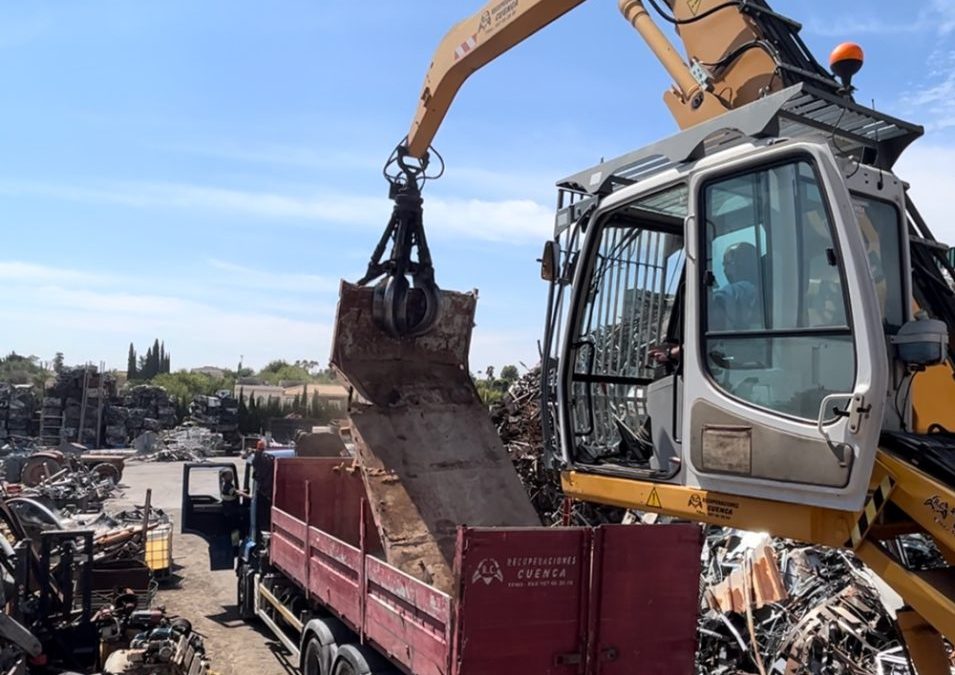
x: 206, y: 598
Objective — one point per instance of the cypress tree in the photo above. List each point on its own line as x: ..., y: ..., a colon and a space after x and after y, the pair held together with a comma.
x: 147, y: 370
x: 131, y: 363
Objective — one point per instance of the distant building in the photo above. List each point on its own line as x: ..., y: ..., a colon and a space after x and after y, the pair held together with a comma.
x: 260, y: 392
x: 332, y: 396
x: 211, y: 371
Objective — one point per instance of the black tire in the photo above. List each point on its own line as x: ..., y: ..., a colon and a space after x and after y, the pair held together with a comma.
x: 360, y: 660
x: 244, y: 593
x: 312, y: 658
x: 107, y: 471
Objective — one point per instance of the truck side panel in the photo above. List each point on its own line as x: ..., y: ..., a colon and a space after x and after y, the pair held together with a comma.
x: 648, y: 598
x: 523, y: 597
x: 404, y: 615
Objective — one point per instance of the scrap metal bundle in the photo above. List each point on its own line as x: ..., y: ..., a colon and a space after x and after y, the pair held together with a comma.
x: 83, y: 394
x: 17, y: 411
x: 772, y: 606
x: 144, y: 407
x: 220, y: 414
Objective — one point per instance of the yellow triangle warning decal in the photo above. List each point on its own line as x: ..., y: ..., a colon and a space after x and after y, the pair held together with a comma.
x: 653, y: 501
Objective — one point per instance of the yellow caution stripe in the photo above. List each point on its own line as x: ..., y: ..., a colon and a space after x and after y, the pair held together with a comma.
x: 873, y: 506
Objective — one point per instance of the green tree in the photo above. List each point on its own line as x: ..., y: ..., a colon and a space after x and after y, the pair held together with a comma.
x: 282, y: 372
x: 131, y: 371
x: 58, y: 363
x: 510, y: 375
x: 17, y: 369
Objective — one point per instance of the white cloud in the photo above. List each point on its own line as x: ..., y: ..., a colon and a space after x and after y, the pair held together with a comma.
x: 928, y: 168
x: 22, y: 272
x: 280, y: 154
x: 933, y: 100
x: 938, y: 16
x: 245, y: 276
x: 512, y: 220
x: 93, y: 325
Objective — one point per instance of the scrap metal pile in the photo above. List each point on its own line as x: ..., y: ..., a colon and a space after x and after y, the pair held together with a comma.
x: 517, y: 419
x: 83, y: 395
x: 772, y: 606
x: 182, y: 444
x: 141, y: 408
x: 75, y: 479
x: 69, y: 608
x: 219, y: 414
x: 768, y: 606
x: 17, y: 411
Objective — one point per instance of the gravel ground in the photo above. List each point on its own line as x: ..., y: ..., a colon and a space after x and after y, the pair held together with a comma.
x: 206, y: 598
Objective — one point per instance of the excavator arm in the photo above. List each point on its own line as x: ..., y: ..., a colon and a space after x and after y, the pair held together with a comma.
x: 736, y: 53
x: 468, y: 47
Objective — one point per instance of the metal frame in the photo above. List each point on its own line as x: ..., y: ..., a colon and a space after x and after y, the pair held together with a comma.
x: 800, y: 111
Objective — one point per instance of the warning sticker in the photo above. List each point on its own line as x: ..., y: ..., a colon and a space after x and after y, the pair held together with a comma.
x: 694, y: 6
x: 653, y: 501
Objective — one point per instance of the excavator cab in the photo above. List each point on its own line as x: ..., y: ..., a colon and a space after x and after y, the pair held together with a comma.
x: 723, y: 315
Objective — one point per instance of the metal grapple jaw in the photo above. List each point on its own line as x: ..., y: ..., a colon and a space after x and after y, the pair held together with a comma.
x: 406, y: 301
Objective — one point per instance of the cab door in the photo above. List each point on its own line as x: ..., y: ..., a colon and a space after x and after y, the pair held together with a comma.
x: 204, y: 512
x: 785, y: 368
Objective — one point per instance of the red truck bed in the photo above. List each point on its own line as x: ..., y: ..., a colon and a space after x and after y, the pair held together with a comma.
x: 615, y: 600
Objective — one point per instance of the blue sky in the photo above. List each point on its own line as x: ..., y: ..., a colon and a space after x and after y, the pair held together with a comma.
x: 206, y: 172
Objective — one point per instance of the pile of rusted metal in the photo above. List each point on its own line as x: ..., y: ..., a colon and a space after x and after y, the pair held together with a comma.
x: 17, y: 411
x: 776, y: 606
x: 517, y: 418
x: 73, y: 604
x: 186, y: 443
x: 219, y: 414
x: 142, y: 408
x: 768, y: 606
x: 82, y: 394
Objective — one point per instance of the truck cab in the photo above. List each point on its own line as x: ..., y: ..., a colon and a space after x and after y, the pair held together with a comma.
x: 235, y: 534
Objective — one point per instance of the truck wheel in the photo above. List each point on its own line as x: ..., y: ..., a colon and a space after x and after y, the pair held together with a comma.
x: 312, y: 659
x: 360, y: 660
x: 244, y: 593
x: 326, y: 633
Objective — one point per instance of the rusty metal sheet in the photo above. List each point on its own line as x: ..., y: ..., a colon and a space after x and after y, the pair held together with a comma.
x: 430, y: 457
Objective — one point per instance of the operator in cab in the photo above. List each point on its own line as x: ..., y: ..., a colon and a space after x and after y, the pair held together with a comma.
x: 736, y: 305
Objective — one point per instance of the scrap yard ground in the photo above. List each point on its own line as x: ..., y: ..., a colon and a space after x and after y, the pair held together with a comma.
x: 206, y: 598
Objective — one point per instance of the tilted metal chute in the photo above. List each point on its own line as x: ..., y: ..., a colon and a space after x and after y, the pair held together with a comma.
x: 748, y: 322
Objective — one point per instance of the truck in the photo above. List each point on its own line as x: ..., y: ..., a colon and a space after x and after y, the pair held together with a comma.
x: 309, y: 567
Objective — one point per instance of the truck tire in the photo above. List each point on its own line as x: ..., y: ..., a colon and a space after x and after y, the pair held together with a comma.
x: 360, y: 660
x: 244, y: 594
x: 312, y: 659
x: 327, y: 633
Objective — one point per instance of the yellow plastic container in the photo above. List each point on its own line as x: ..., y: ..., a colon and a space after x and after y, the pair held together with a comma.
x: 159, y: 549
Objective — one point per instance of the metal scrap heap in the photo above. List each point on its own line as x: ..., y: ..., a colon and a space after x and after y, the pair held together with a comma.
x: 768, y: 606
x: 518, y: 423
x: 773, y: 606
x: 17, y: 411
x: 141, y: 408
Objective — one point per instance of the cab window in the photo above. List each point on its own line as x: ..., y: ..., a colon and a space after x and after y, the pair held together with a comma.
x: 880, y: 225
x: 776, y: 328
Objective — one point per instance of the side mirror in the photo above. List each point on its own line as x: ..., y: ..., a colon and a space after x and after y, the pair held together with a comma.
x: 548, y: 261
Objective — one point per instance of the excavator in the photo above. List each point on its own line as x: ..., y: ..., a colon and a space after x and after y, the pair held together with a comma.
x: 748, y: 323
